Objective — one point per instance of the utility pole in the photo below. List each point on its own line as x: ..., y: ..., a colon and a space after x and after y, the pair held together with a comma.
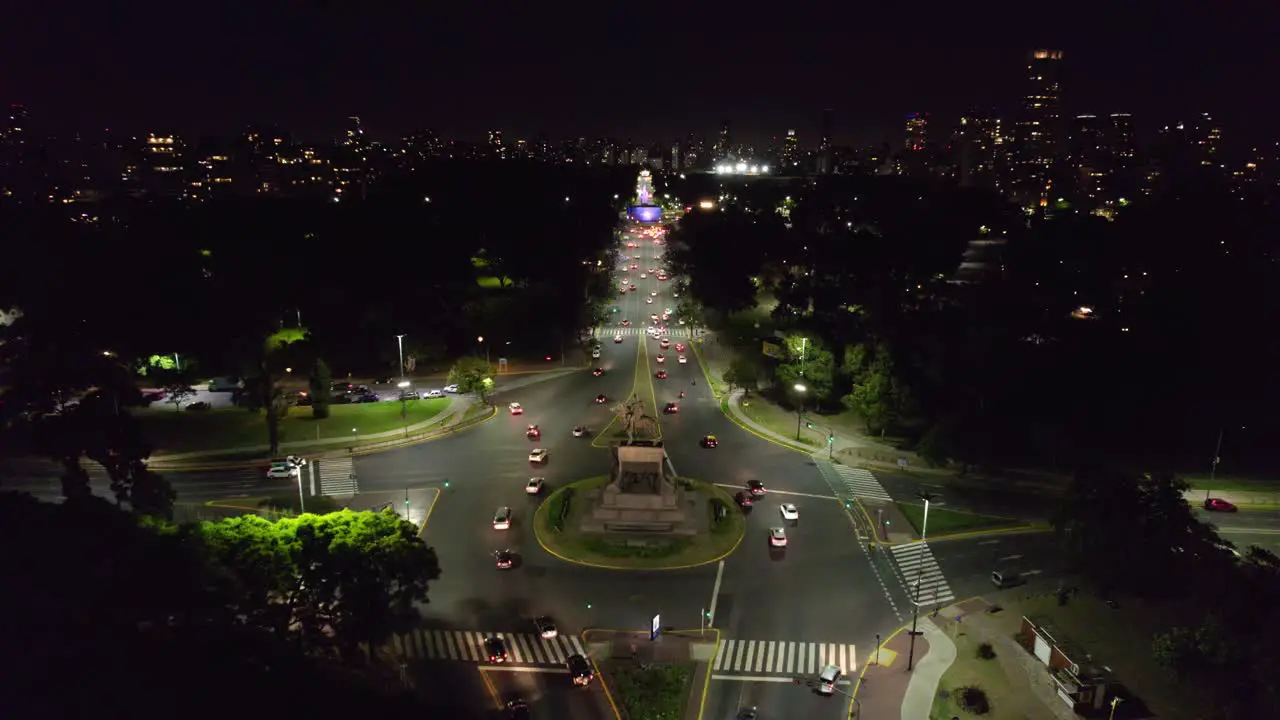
x: 1213, y: 466
x: 915, y: 612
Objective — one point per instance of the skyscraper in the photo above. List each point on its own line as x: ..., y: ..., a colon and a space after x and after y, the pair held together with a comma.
x: 1090, y: 157
x: 1036, y: 137
x: 917, y: 132
x: 978, y: 145
x: 723, y: 143
x: 790, y: 150
x: 824, y: 144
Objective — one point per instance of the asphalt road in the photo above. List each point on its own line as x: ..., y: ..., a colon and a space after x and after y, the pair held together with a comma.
x: 1251, y: 527
x: 550, y: 694
x: 971, y: 495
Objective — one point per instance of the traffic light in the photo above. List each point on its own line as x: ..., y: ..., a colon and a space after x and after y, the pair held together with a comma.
x: 706, y: 614
x: 847, y: 504
x: 588, y: 606
x: 808, y: 424
x: 446, y: 482
x: 831, y: 438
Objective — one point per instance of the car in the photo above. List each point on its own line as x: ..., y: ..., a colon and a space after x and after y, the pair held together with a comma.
x: 666, y: 316
x: 282, y: 470
x: 642, y: 275
x: 430, y: 394
x: 1219, y: 505
x: 649, y: 300
x: 743, y: 499
x: 755, y: 487
x: 532, y: 432
x: 601, y: 399
x: 709, y: 441
x: 633, y: 287
x: 653, y: 318
x: 661, y: 358
x: 828, y: 678
x: 502, y: 518
x: 662, y: 278
x: 408, y: 394
x: 617, y: 338
x: 665, y: 339
x: 516, y: 408
x: 546, y: 627
x: 451, y: 389
x: 747, y: 714
x: 598, y: 372
x: 538, y: 456
x: 653, y: 293
x: 518, y: 709
x: 661, y: 374
x: 777, y: 537
x: 679, y: 347
x: 682, y: 359
x: 595, y: 353
x: 580, y: 670
x: 671, y: 409
x: 665, y: 343
x: 579, y: 430
x: 625, y: 323
x: 504, y: 559
x: 496, y: 649
x: 635, y: 267
x: 789, y: 512
x: 535, y: 485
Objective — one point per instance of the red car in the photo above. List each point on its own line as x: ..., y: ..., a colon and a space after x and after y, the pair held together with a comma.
x: 671, y: 409
x: 679, y: 347
x: 1219, y: 505
x: 598, y: 372
x: 601, y: 399
x: 661, y: 374
x: 533, y: 433
x: 625, y: 323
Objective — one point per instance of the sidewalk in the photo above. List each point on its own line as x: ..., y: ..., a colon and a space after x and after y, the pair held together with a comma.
x: 886, y: 689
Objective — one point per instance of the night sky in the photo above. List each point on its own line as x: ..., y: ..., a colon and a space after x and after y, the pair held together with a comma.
x: 610, y: 68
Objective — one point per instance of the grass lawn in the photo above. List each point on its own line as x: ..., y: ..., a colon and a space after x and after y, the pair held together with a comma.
x: 949, y: 522
x: 781, y: 421
x: 969, y: 670
x: 651, y: 691
x: 183, y: 431
x: 567, y: 541
x: 1236, y: 483
x: 489, y: 282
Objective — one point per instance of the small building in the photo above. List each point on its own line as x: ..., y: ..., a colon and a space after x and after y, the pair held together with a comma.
x: 1081, y: 683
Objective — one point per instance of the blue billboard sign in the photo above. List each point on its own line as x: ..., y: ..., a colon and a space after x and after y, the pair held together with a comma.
x: 646, y: 213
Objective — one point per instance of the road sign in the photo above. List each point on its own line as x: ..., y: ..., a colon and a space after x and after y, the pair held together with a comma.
x: 902, y: 463
x: 654, y: 627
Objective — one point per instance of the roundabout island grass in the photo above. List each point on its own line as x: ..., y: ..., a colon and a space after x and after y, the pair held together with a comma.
x: 557, y: 519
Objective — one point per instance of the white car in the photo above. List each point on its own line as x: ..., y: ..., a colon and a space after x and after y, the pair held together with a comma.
x: 789, y: 511
x: 282, y: 471
x: 617, y: 338
x: 682, y: 359
x: 643, y: 276
x: 649, y: 300
x: 654, y: 293
x: 515, y: 408
x: 538, y: 456
x: 546, y: 628
x: 451, y: 389
x: 777, y: 537
x: 665, y: 343
x: 534, y: 486
x: 579, y: 431
x: 661, y: 358
x: 433, y: 394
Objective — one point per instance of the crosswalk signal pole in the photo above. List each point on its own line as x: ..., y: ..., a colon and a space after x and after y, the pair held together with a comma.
x: 915, y: 611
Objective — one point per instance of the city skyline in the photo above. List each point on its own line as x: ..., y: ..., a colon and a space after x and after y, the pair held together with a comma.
x: 400, y: 71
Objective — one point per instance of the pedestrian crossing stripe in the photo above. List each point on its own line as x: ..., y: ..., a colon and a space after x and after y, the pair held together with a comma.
x: 468, y: 646
x: 861, y: 483
x: 634, y: 330
x: 916, y: 564
x: 783, y: 657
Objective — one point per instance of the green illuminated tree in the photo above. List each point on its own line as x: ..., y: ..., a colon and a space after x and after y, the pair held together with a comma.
x: 472, y: 375
x: 809, y: 364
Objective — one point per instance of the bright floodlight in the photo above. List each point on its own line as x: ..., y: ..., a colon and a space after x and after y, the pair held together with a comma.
x: 740, y: 167
x: 480, y: 339
x: 402, y: 384
x: 800, y: 388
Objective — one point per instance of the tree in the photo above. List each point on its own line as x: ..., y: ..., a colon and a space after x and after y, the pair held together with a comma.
x: 740, y: 373
x: 809, y: 364
x: 321, y: 384
x: 178, y: 392
x: 472, y: 374
x: 877, y: 394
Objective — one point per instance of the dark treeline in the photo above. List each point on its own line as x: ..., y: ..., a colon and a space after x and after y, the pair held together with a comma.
x: 141, y: 278
x: 1174, y: 347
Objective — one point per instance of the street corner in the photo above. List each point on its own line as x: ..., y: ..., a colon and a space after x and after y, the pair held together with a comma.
x: 413, y: 504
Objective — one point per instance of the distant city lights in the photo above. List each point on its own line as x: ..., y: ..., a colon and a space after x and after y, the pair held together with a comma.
x: 741, y: 168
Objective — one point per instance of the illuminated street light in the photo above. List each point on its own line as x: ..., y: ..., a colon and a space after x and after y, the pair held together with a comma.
x: 402, y: 384
x: 400, y: 344
x: 800, y: 408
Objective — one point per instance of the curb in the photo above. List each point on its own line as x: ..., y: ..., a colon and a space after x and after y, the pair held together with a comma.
x: 706, y: 679
x: 162, y: 467
x: 724, y: 408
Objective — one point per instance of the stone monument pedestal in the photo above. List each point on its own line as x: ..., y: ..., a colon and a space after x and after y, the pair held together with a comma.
x: 643, y: 497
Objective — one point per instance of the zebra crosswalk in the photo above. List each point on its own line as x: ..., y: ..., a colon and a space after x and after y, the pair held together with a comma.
x: 916, y: 564
x: 782, y: 657
x: 468, y: 646
x: 861, y: 483
x: 634, y: 330
x: 337, y: 476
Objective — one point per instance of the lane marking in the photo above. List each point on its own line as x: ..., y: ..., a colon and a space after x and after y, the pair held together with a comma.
x: 522, y: 669
x: 774, y: 679
x: 1249, y: 531
x: 715, y: 595
x: 1011, y: 557
x: 782, y: 492
x: 989, y: 542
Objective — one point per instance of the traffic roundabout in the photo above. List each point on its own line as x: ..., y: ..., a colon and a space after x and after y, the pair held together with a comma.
x: 712, y: 529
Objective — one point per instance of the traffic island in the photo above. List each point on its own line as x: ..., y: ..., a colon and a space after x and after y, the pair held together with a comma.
x: 566, y: 526
x: 636, y: 416
x: 944, y: 522
x: 663, y: 677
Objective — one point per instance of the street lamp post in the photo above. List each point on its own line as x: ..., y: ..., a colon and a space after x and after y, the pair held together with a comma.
x: 356, y: 432
x: 1213, y: 470
x: 800, y: 408
x: 480, y: 341
x: 400, y: 345
x: 915, y: 612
